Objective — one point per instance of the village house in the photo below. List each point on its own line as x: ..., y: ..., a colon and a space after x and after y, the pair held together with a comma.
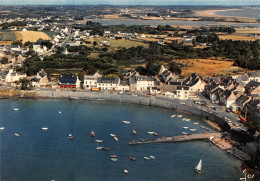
x: 182, y: 92
x: 166, y: 76
x: 108, y: 83
x: 141, y: 83
x: 40, y: 79
x: 195, y: 83
x: 247, y: 77
x: 11, y: 76
x: 69, y: 82
x: 90, y: 81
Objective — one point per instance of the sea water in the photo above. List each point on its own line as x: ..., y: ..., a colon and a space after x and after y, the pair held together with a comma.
x: 49, y: 155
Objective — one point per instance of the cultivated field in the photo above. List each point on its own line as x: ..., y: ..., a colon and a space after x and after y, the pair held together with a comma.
x: 237, y: 37
x: 7, y: 36
x: 31, y: 36
x: 207, y: 67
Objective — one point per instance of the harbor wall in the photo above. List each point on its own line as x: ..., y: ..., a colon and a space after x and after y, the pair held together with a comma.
x: 143, y: 100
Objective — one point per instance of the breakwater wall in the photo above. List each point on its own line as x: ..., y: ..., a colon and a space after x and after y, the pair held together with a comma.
x: 143, y: 100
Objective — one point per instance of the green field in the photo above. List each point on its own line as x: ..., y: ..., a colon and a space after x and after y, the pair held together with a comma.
x: 7, y: 36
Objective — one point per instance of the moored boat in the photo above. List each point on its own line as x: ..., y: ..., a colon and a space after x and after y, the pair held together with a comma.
x: 152, y: 157
x: 113, y: 135
x: 99, y: 147
x: 185, y: 127
x: 105, y: 149
x: 132, y: 158
x: 179, y: 115
x: 126, y: 171
x: 16, y: 134
x: 126, y: 122
x: 44, y: 128
x: 198, y: 167
x: 134, y: 131
x: 147, y: 158
x: 196, y: 123
x: 184, y: 133
x: 150, y: 132
x: 155, y: 134
x: 113, y: 158
x: 16, y: 109
x: 2, y: 128
x: 70, y: 136
x: 115, y: 138
x: 59, y: 112
x: 172, y: 116
x: 192, y: 129
x: 92, y: 134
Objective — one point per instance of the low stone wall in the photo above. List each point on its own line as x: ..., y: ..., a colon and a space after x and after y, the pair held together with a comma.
x: 143, y: 100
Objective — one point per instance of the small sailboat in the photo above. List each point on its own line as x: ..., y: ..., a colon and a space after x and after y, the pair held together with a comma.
x: 115, y: 138
x: 185, y: 127
x: 147, y: 158
x: 16, y: 109
x: 126, y: 171
x: 2, y: 128
x: 44, y: 128
x: 59, y: 112
x: 152, y: 157
x: 92, y: 134
x: 198, y: 167
x: 70, y: 136
x: 113, y: 135
x: 172, y: 116
x: 99, y: 147
x: 16, y: 134
x: 126, y: 122
x: 113, y: 158
x: 196, y: 123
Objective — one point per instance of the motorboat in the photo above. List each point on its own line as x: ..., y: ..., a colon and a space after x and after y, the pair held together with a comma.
x: 70, y: 136
x: 126, y: 171
x: 105, y: 149
x: 16, y: 134
x: 172, y: 116
x: 132, y: 158
x: 184, y: 133
x: 179, y: 116
x: 113, y: 158
x: 2, y: 128
x: 16, y: 109
x: 147, y: 158
x: 185, y: 127
x: 155, y: 134
x: 150, y: 132
x: 113, y: 135
x: 115, y: 138
x: 196, y: 123
x: 44, y: 128
x: 92, y: 134
x: 152, y: 157
x: 192, y: 129
x: 126, y: 122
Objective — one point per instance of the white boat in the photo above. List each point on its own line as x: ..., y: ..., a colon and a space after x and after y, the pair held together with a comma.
x: 179, y: 115
x: 192, y: 129
x: 198, y: 167
x: 2, y: 128
x: 152, y: 157
x: 115, y: 138
x: 113, y: 135
x: 196, y: 123
x: 99, y: 147
x: 44, y: 128
x: 172, y: 116
x: 185, y: 127
x: 59, y: 112
x: 16, y: 134
x: 126, y: 171
x: 187, y: 119
x: 126, y: 122
x: 147, y: 158
x: 150, y: 132
x: 16, y: 109
x: 134, y: 131
x: 203, y: 127
x: 70, y: 136
x: 184, y: 133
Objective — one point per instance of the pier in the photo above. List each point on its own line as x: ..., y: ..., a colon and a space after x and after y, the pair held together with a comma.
x: 180, y: 138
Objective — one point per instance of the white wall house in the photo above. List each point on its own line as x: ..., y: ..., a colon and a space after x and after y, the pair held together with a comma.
x: 13, y: 76
x: 182, y: 93
x: 90, y: 81
x: 108, y: 83
x: 141, y: 83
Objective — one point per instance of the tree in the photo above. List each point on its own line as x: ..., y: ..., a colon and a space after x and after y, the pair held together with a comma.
x: 4, y: 60
x: 173, y: 67
x: 25, y: 84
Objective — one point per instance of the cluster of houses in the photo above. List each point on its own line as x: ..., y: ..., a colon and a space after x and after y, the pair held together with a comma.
x: 240, y: 93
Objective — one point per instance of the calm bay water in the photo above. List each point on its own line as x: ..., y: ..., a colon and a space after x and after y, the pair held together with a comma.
x: 251, y: 13
x: 49, y: 155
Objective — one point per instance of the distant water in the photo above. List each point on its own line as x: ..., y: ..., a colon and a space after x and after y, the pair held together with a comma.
x: 250, y: 13
x: 49, y: 155
x: 168, y: 22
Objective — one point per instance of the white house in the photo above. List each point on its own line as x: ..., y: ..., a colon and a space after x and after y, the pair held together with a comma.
x: 182, y: 92
x: 108, y: 83
x: 141, y: 83
x: 39, y: 48
x: 90, y: 81
x: 40, y: 79
x: 195, y: 83
x: 10, y: 76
